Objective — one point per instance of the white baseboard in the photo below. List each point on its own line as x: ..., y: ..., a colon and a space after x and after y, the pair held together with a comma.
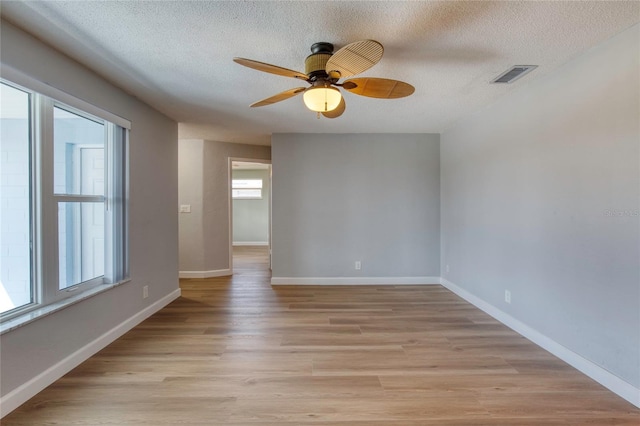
x: 355, y: 280
x: 597, y: 373
x: 250, y: 243
x: 23, y: 393
x: 205, y: 274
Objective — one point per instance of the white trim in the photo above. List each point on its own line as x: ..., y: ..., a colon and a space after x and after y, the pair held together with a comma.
x: 605, y: 378
x: 355, y: 280
x: 11, y: 74
x: 23, y: 393
x: 251, y: 243
x: 205, y: 274
x: 230, y: 161
x: 31, y: 315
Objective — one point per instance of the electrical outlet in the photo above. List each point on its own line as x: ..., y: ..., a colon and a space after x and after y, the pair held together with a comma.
x: 358, y: 265
x: 447, y: 268
x: 507, y: 296
x: 145, y: 291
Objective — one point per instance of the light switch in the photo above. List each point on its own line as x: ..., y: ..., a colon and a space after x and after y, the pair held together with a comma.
x: 185, y: 208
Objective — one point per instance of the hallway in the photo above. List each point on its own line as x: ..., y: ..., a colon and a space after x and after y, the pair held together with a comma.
x: 250, y: 261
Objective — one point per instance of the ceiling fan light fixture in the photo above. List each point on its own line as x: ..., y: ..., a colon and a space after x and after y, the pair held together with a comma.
x: 322, y: 98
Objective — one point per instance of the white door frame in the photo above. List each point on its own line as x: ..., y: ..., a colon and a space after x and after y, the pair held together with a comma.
x: 230, y: 203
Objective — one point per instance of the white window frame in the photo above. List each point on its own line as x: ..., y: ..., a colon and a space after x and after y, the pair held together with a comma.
x: 46, y: 295
x: 246, y: 189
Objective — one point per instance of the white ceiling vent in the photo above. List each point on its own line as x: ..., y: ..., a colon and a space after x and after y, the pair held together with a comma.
x: 514, y: 73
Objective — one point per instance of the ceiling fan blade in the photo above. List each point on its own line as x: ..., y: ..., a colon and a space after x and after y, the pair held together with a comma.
x: 273, y: 69
x: 355, y: 58
x: 383, y: 88
x: 336, y: 112
x: 279, y: 97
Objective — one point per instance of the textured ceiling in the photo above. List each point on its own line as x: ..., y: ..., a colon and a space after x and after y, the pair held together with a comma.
x: 177, y: 56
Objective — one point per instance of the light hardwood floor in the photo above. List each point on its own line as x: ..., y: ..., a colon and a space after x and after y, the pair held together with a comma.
x: 236, y: 351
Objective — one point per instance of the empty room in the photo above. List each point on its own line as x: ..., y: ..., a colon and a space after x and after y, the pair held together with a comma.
x: 320, y: 213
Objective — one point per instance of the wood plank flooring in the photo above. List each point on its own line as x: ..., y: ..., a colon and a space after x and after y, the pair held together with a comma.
x: 235, y: 351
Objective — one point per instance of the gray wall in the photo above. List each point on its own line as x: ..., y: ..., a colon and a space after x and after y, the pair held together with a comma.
x: 190, y: 184
x: 204, y: 234
x: 338, y: 198
x: 251, y: 217
x: 540, y: 195
x: 33, y: 348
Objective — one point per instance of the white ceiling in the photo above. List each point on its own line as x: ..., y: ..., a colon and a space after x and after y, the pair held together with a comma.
x: 177, y: 55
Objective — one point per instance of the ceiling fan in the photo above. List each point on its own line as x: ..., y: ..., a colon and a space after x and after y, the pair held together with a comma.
x: 323, y: 71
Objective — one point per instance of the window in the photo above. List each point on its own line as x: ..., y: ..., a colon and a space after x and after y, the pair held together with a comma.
x: 246, y: 188
x: 63, y: 205
x: 78, y: 174
x: 16, y: 276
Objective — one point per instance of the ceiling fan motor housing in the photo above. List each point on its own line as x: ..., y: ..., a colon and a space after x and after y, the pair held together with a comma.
x: 315, y: 63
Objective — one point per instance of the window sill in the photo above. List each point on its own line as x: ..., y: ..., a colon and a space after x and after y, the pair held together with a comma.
x: 43, y: 311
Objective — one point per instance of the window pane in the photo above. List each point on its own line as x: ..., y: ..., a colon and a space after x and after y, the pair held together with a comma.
x: 255, y: 194
x: 78, y: 154
x: 81, y: 242
x: 15, y: 196
x: 246, y: 183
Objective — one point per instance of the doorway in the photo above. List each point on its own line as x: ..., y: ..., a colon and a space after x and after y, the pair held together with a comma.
x: 250, y: 216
